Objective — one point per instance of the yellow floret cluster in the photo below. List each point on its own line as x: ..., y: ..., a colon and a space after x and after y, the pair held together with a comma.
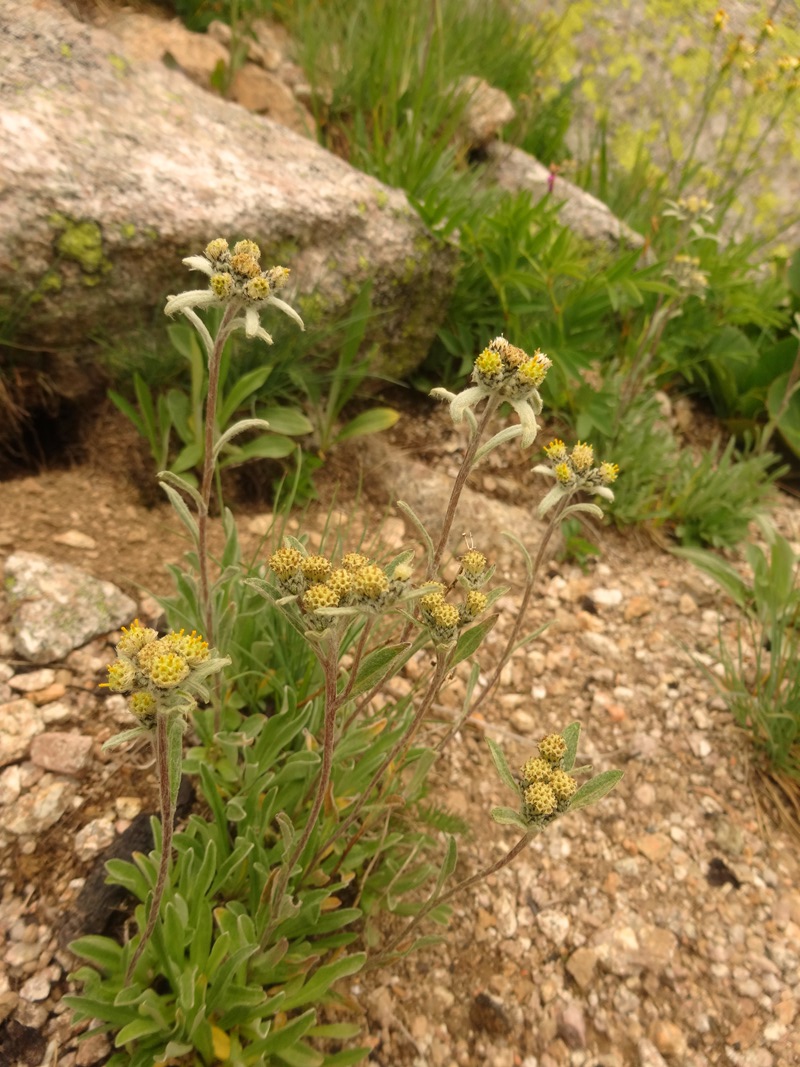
x: 237, y: 271
x: 147, y: 666
x: 546, y: 787
x: 575, y: 469
x: 317, y: 583
x: 508, y: 371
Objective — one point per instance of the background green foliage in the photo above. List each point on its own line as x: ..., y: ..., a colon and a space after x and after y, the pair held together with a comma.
x: 635, y: 127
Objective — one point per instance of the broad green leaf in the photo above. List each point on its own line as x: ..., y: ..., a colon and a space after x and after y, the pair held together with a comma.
x: 135, y: 1030
x: 595, y: 789
x: 243, y: 389
x: 346, y: 1058
x: 266, y: 446
x: 101, y: 951
x: 373, y: 421
x: 130, y: 412
x: 301, y: 1055
x: 502, y: 766
x: 288, y: 420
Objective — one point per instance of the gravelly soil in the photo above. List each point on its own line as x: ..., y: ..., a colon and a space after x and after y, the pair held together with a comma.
x: 661, y: 926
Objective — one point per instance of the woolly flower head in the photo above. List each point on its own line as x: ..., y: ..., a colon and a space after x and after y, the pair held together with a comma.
x: 575, y: 470
x: 506, y: 373
x: 235, y: 280
x: 161, y: 673
x: 547, y: 789
x: 688, y: 275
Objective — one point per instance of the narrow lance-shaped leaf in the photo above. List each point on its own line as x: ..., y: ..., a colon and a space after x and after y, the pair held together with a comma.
x: 508, y: 817
x: 470, y: 640
x: 502, y: 766
x: 571, y: 735
x: 595, y: 789
x: 408, y: 510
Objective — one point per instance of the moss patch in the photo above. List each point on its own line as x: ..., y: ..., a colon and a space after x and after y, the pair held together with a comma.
x: 81, y: 242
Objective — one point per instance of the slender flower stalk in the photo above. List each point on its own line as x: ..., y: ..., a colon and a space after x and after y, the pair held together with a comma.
x: 445, y: 897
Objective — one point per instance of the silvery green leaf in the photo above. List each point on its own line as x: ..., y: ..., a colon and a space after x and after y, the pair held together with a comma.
x: 542, y: 468
x: 449, y: 864
x: 502, y: 766
x: 551, y: 499
x: 126, y: 735
x: 175, y: 480
x: 261, y: 587
x: 409, y: 511
x: 525, y: 553
x: 589, y: 509
x: 571, y: 735
x: 508, y: 817
x: 595, y: 789
x: 181, y: 510
x: 509, y: 433
x: 288, y: 832
x: 236, y: 429
x: 292, y: 542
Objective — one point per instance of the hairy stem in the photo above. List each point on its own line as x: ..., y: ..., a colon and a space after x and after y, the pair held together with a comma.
x: 167, y: 819
x: 210, y: 429
x: 458, y: 485
x: 404, y: 739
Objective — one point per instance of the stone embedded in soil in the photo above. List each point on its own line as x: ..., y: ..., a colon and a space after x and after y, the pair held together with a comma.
x: 33, y: 681
x: 94, y: 837
x: 75, y: 539
x: 49, y: 695
x: 668, y: 1038
x: 57, y: 608
x: 572, y: 1026
x: 582, y: 965
x: 61, y: 752
x: 655, y: 847
x: 95, y: 1049
x: 625, y: 951
x: 649, y: 1056
x: 20, y: 721
x: 41, y: 808
x: 10, y: 785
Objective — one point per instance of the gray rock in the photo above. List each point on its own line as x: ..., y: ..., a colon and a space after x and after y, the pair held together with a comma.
x: 138, y: 167
x: 61, y: 752
x: 584, y: 214
x: 20, y: 721
x: 56, y: 607
x: 486, y: 112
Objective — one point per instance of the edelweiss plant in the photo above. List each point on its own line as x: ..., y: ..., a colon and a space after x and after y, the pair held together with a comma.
x: 162, y: 678
x: 317, y: 827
